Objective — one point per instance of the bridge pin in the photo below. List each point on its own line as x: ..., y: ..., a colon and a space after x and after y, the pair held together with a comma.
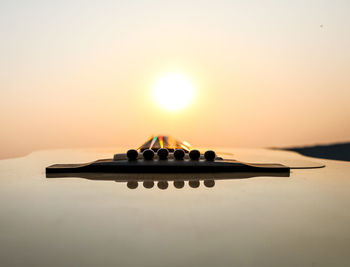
x: 148, y: 154
x: 193, y: 183
x: 163, y: 153
x: 209, y: 183
x: 132, y: 184
x: 179, y: 154
x: 163, y: 185
x: 132, y: 154
x: 179, y: 184
x: 148, y: 184
x: 210, y: 155
x: 194, y: 154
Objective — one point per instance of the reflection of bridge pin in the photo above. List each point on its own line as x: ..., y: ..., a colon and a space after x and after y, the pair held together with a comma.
x: 163, y: 185
x: 148, y: 184
x: 179, y: 154
x: 179, y: 184
x: 209, y: 183
x: 194, y: 154
x: 163, y: 153
x: 193, y: 183
x: 132, y: 154
x: 132, y: 184
x: 210, y: 155
x: 148, y: 154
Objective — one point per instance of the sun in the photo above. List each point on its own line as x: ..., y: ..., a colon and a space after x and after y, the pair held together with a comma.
x: 173, y: 92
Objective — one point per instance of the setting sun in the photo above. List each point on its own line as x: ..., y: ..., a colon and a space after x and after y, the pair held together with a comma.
x: 173, y: 92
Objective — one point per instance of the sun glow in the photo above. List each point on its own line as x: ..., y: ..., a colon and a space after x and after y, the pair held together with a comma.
x: 173, y: 92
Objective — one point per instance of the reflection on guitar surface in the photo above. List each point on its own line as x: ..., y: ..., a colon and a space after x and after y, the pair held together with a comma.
x: 163, y: 180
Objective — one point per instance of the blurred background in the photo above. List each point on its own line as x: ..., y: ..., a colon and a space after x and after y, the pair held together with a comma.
x: 264, y: 73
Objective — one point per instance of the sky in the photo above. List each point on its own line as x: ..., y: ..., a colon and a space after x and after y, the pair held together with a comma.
x: 82, y: 73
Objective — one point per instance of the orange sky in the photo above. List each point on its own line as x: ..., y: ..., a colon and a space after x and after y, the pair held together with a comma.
x: 81, y: 73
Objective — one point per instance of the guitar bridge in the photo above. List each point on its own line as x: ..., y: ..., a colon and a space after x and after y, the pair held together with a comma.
x: 164, y: 154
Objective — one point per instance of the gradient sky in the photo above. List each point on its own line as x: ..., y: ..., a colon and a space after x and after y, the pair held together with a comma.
x: 80, y: 73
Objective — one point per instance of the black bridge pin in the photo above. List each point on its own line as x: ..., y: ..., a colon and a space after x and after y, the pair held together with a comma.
x: 163, y: 185
x: 132, y: 154
x: 148, y: 154
x: 193, y: 183
x: 179, y: 154
x: 132, y: 184
x: 179, y: 184
x: 209, y: 183
x: 163, y: 153
x: 210, y: 155
x: 194, y: 154
x: 148, y: 184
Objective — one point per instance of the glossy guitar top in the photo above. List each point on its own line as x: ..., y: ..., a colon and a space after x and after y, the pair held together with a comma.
x: 292, y: 219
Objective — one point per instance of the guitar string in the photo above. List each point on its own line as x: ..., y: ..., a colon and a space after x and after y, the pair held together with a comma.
x: 153, y: 141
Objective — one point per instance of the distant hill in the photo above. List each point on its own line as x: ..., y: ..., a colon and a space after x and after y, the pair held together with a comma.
x: 339, y: 151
